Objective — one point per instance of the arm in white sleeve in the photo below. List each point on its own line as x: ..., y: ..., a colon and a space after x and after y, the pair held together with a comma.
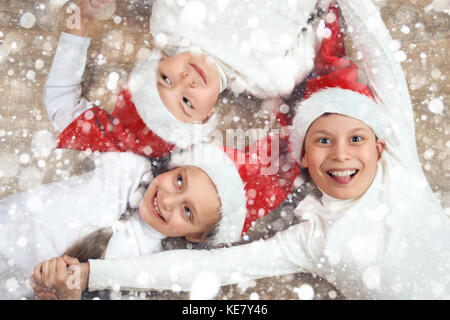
x: 384, y: 72
x: 62, y: 90
x: 284, y: 253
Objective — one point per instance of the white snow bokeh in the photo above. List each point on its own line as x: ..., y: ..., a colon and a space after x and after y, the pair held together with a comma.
x: 29, y: 177
x: 305, y: 292
x: 9, y: 165
x: 436, y: 106
x: 27, y: 20
x: 193, y: 13
x: 113, y: 78
x: 205, y: 286
x: 42, y: 144
x: 371, y: 277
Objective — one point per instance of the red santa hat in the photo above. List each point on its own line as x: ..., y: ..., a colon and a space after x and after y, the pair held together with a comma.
x: 335, y: 89
x: 331, y: 68
x: 250, y: 183
x: 140, y: 122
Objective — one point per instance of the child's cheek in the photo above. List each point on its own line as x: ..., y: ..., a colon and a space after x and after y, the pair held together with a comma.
x: 178, y: 227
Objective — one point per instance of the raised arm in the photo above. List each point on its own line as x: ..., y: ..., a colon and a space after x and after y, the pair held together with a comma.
x: 62, y: 90
x: 282, y: 254
x: 384, y: 72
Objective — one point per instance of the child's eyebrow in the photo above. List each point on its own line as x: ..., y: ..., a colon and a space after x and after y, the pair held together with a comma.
x: 359, y: 129
x: 322, y: 131
x: 326, y: 132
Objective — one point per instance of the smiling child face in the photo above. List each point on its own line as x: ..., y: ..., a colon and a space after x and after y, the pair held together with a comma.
x: 341, y: 155
x: 189, y: 86
x: 181, y: 202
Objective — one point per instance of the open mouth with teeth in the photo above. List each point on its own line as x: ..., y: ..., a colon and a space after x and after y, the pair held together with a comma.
x: 155, y: 207
x: 342, y: 176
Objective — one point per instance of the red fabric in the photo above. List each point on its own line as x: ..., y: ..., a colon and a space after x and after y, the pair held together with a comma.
x: 121, y: 131
x: 331, y: 68
x: 332, y: 49
x: 346, y: 78
x: 268, y: 172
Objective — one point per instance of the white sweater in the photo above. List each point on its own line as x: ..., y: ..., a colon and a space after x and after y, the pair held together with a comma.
x: 390, y: 243
x: 43, y: 222
x: 260, y: 43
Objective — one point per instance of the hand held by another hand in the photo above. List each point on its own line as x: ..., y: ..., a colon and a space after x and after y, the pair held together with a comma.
x: 61, y: 278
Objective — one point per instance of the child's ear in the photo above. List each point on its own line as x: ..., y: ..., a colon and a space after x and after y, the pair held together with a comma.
x: 303, y: 161
x: 199, y: 237
x: 380, y: 147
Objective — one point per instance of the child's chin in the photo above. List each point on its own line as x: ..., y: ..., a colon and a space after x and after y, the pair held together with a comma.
x: 343, y: 194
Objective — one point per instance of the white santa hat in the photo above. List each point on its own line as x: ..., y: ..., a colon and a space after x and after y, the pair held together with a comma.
x: 335, y: 100
x: 145, y: 96
x: 246, y: 188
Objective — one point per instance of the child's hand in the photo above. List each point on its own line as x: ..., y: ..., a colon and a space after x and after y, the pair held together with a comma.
x: 58, y: 278
x: 41, y: 291
x: 89, y: 8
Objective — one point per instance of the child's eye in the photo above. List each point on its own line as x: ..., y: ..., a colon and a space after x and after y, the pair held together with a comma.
x: 187, y: 102
x: 187, y: 211
x: 357, y: 139
x: 180, y: 181
x: 165, y: 79
x: 324, y: 140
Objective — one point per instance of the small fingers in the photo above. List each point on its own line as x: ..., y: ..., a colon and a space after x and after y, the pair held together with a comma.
x: 70, y: 261
x: 61, y: 270
x: 46, y: 273
x: 45, y: 295
x: 100, y: 3
x: 37, y: 272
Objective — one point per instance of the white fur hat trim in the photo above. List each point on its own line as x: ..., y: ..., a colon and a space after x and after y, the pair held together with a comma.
x: 223, y: 172
x: 145, y: 96
x: 335, y: 100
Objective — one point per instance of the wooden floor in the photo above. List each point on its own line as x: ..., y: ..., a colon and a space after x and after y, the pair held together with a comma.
x: 26, y: 55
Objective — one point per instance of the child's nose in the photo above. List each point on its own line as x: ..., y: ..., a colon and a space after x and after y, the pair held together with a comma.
x: 165, y: 202
x: 168, y: 203
x: 189, y: 79
x: 341, y: 152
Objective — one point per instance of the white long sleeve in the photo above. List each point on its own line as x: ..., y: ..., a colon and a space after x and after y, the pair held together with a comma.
x: 62, y: 90
x: 284, y: 253
x: 51, y: 217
